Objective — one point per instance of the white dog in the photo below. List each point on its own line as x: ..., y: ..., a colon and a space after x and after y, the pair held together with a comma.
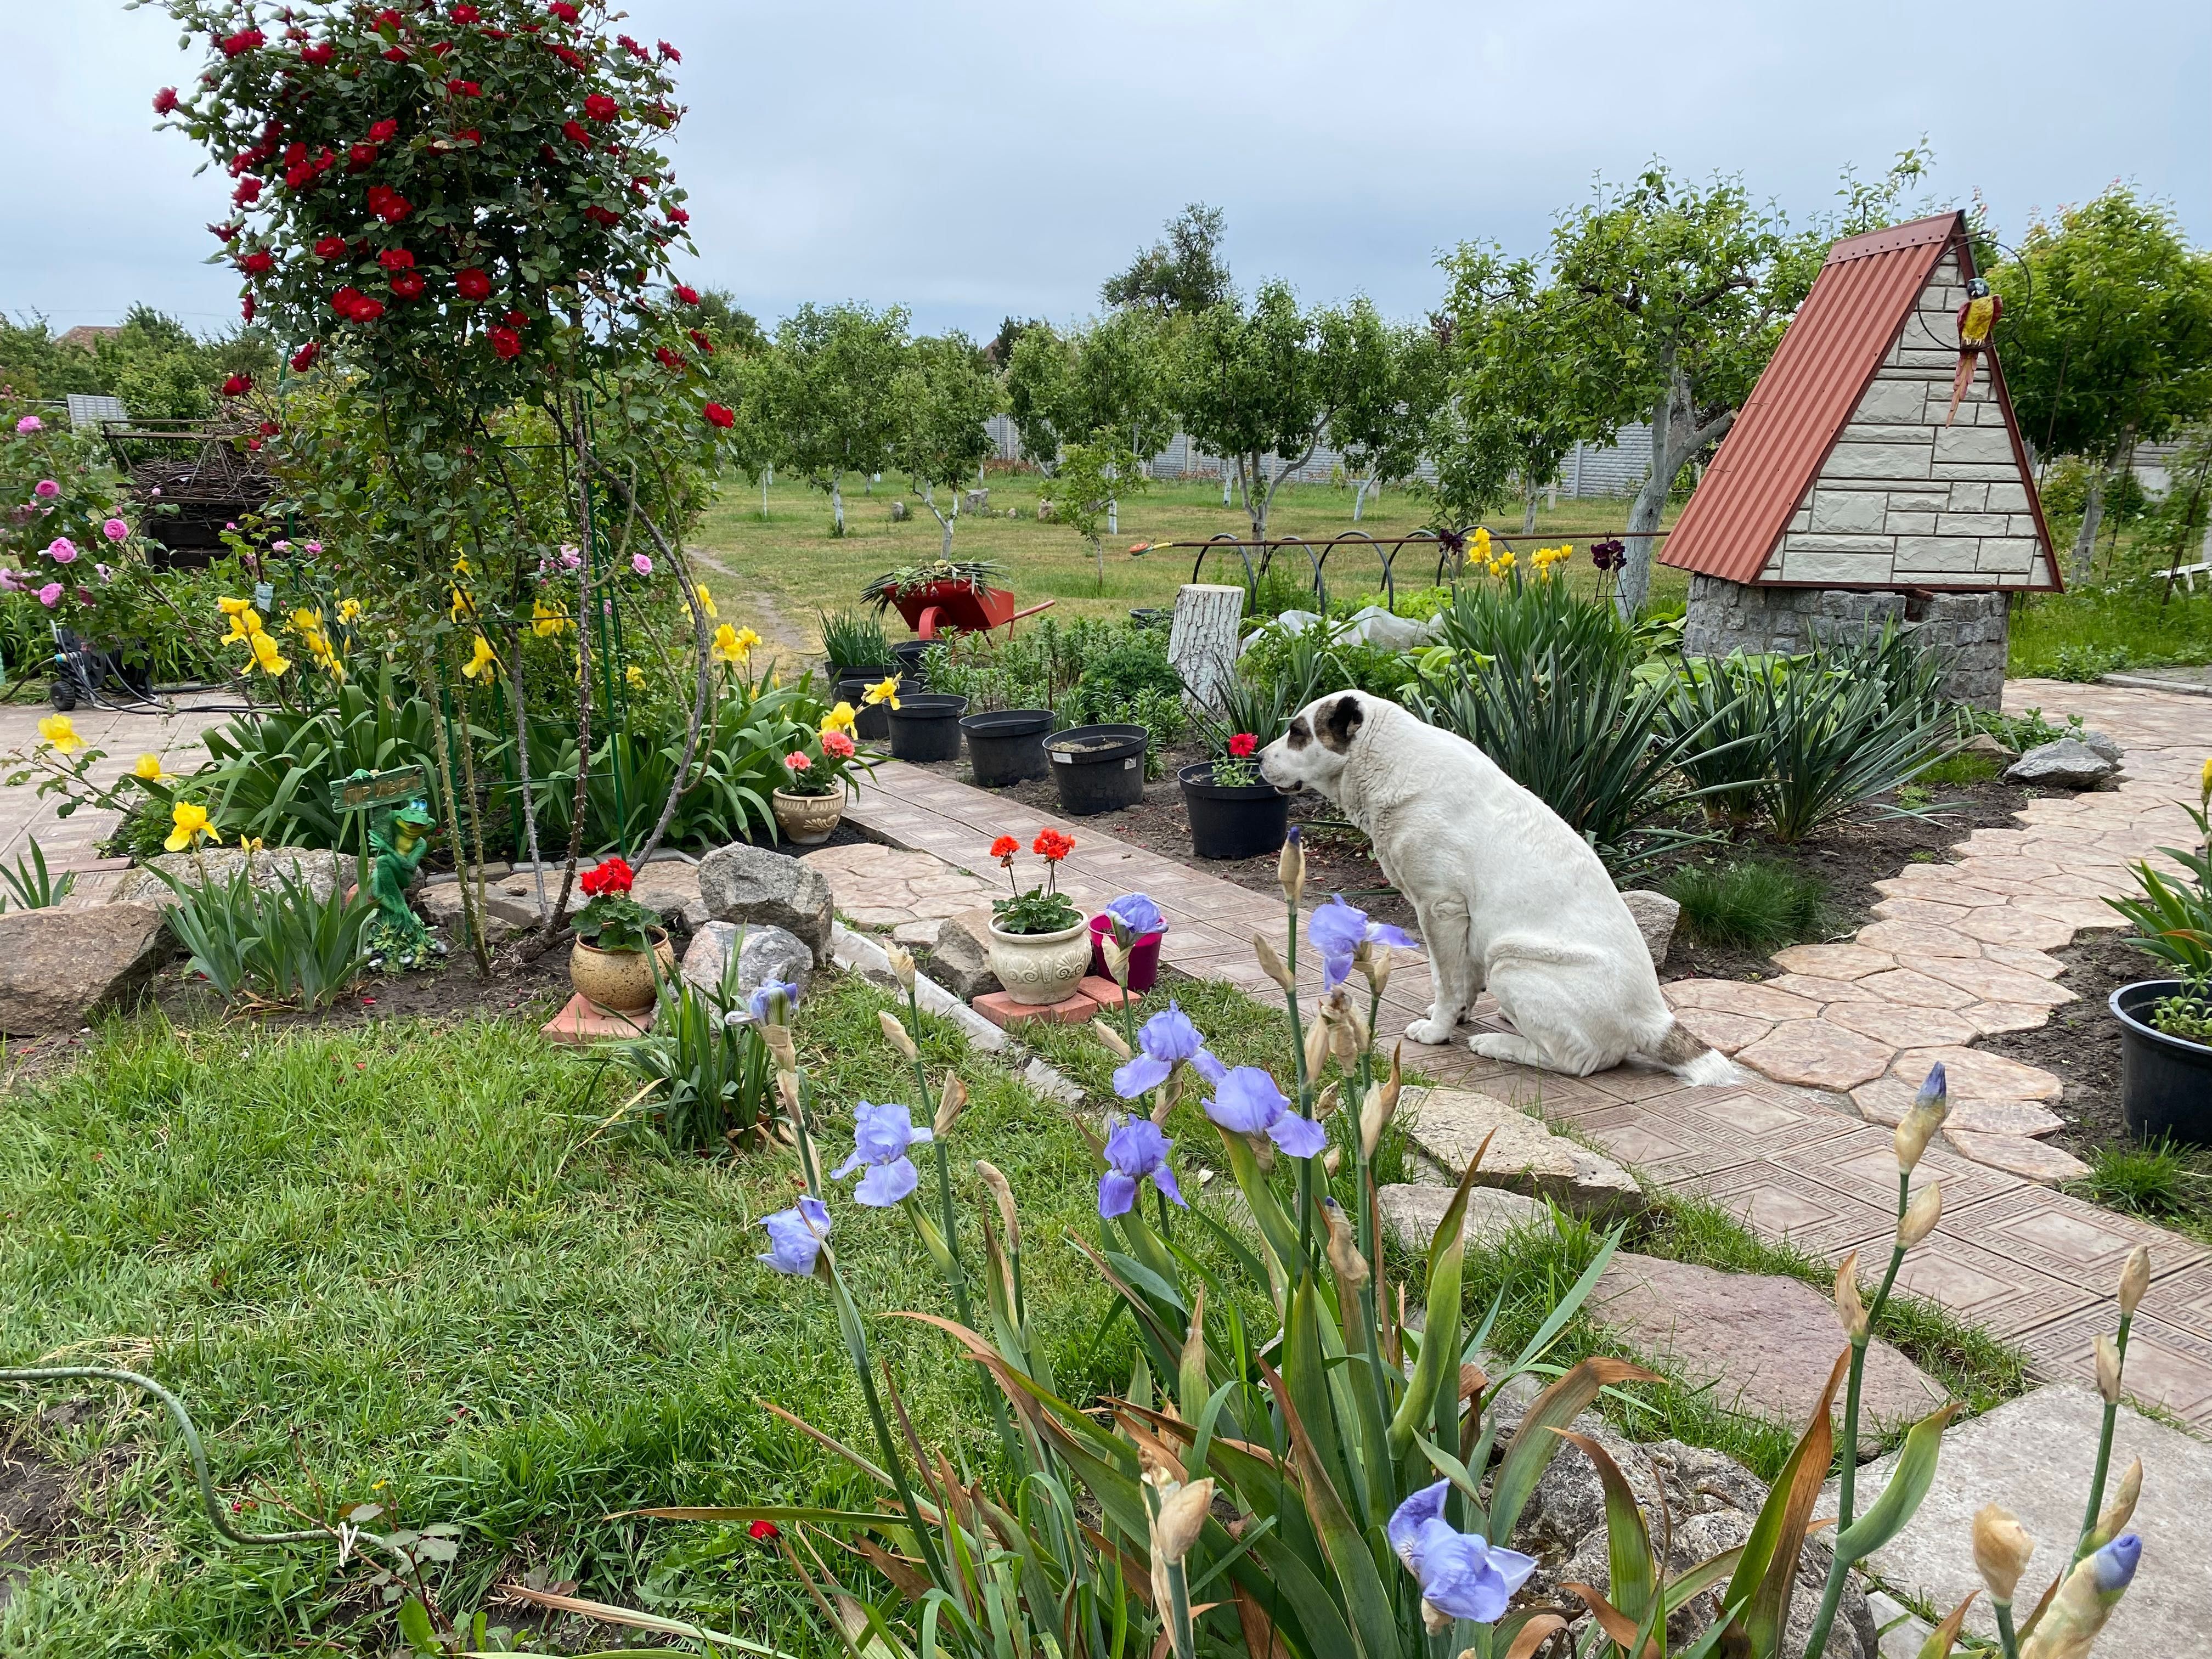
x: 1508, y: 895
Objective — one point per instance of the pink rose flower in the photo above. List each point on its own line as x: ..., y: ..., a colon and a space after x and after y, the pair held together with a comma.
x: 10, y: 581
x: 312, y: 548
x: 61, y: 549
x: 115, y: 530
x: 27, y: 425
x: 640, y: 563
x: 50, y: 595
x: 45, y: 489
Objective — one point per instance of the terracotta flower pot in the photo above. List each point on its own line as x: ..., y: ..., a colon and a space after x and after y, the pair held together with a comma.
x: 808, y: 820
x: 1041, y: 968
x: 621, y: 981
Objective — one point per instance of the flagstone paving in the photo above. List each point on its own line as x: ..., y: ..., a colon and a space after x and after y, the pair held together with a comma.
x: 72, y: 843
x: 1835, y: 1043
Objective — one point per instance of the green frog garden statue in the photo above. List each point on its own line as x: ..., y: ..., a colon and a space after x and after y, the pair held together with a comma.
x: 396, y: 936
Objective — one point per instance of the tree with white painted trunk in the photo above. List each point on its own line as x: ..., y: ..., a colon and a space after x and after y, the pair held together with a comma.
x: 942, y: 396
x: 831, y: 393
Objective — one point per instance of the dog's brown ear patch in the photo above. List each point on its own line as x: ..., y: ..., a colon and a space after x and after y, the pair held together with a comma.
x: 1337, y: 723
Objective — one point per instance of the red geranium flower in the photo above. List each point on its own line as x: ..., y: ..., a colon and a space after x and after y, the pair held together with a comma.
x: 600, y: 107
x: 259, y: 263
x: 1052, y: 846
x: 304, y: 358
x: 238, y: 386
x: 244, y: 42
x: 718, y: 416
x: 165, y: 100
x: 506, y: 342
x: 1243, y: 745
x: 407, y: 284
x: 319, y: 55
x: 764, y: 1530
x: 610, y: 876
x: 1004, y: 849
x: 687, y: 294
x: 472, y: 284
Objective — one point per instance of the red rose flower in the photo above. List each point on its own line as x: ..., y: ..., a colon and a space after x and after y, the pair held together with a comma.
x: 668, y: 359
x: 352, y: 304
x: 517, y: 320
x: 573, y: 130
x: 687, y: 294
x: 678, y: 216
x: 718, y: 416
x: 1004, y: 849
x: 563, y: 10
x: 247, y: 307
x: 165, y: 100
x: 1052, y: 846
x: 765, y: 1531
x: 396, y: 259
x: 408, y: 285
x: 670, y: 53
x: 465, y: 13
x: 238, y: 386
x: 1242, y: 745
x: 224, y: 234
x: 700, y: 341
x: 268, y: 429
x: 600, y: 107
x: 387, y: 19
x: 384, y: 132
x: 394, y: 54
x: 570, y: 56
x: 244, y: 42
x: 506, y: 342
x: 599, y: 216
x: 299, y: 175
x: 632, y: 47
x: 251, y: 443
x: 388, y: 205
x: 304, y: 358
x: 468, y: 136
x: 463, y: 88
x: 331, y: 248
x: 259, y: 263
x: 611, y: 876
x: 472, y: 284
x: 248, y: 191
x: 441, y: 49
x: 319, y: 55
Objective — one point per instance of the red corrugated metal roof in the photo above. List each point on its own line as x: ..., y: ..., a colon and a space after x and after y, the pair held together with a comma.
x: 1839, y: 337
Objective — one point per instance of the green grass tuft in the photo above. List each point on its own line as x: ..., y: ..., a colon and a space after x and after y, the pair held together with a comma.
x: 1749, y: 905
x: 2153, y: 1179
x: 1965, y: 767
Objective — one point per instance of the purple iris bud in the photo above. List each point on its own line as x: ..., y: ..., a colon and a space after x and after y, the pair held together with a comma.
x: 1135, y: 917
x: 1164, y: 1042
x: 1935, y: 1088
x: 795, y: 1235
x: 1246, y: 1102
x: 881, y: 1136
x: 764, y: 1002
x: 2114, y: 1565
x: 1337, y: 931
x: 1463, y: 1574
x: 1405, y: 1529
x: 1136, y: 1150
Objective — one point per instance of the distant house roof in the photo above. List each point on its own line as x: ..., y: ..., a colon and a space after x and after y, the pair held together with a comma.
x: 1849, y: 329
x: 85, y: 335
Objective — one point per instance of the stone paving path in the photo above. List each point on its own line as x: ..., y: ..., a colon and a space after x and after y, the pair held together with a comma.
x: 73, y: 842
x: 1957, y: 950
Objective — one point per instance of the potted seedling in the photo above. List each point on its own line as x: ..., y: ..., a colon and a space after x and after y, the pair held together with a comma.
x: 1234, y: 813
x: 855, y: 645
x: 1040, y: 943
x: 2165, y: 1025
x: 819, y: 776
x: 622, y: 952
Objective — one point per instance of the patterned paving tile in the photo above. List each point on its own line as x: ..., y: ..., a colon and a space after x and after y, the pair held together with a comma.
x: 1983, y: 1286
x: 2167, y: 1365
x: 2068, y: 1238
x: 1785, y: 1203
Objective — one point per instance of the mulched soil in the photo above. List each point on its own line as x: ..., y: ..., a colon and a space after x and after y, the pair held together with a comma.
x: 1849, y: 859
x: 2080, y: 1044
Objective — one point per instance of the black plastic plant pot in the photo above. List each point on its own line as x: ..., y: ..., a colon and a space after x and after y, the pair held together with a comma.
x: 909, y: 653
x: 872, y: 722
x: 1232, y: 820
x: 926, y: 726
x: 867, y: 672
x: 2166, y: 1082
x: 1098, y: 768
x: 1007, y: 745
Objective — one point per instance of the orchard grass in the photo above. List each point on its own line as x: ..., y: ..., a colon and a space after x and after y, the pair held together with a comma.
x: 792, y: 557
x: 2123, y: 619
x: 416, y: 1264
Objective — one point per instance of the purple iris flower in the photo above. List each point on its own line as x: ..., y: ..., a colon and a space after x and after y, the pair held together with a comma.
x: 1164, y: 1042
x: 1337, y: 931
x: 1136, y: 1149
x: 1135, y: 917
x: 762, y: 1002
x: 881, y: 1136
x: 795, y: 1235
x: 1935, y: 1088
x: 1246, y: 1102
x: 1461, y: 1574
x: 2114, y: 1565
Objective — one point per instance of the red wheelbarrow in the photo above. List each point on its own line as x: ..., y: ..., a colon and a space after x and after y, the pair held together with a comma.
x: 934, y: 607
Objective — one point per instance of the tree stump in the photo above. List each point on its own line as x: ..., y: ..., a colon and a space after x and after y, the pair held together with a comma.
x: 1202, y: 643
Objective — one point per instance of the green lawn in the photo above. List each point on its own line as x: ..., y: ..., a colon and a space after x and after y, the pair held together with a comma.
x: 792, y: 557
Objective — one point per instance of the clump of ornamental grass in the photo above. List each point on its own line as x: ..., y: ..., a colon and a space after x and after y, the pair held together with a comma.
x: 1750, y: 904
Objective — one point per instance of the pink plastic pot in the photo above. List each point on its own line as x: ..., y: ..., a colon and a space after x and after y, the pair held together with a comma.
x: 1144, y: 955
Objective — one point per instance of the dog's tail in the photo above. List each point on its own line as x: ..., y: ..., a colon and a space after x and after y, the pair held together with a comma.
x: 1692, y: 1059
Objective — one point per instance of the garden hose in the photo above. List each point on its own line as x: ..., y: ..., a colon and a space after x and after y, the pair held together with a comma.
x: 55, y: 1373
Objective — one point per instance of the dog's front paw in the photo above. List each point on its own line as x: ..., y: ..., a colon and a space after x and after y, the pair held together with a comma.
x: 1430, y: 1033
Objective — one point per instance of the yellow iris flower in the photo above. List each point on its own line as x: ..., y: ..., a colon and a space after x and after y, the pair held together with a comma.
x: 746, y: 641
x: 245, y: 626
x: 348, y: 610
x: 232, y: 607
x: 884, y: 690
x: 707, y: 600
x: 149, y: 769
x: 839, y: 719
x: 2208, y: 778
x: 189, y: 822
x: 482, y: 661
x: 461, y: 565
x: 57, y: 731
x: 460, y: 606
x: 547, y: 620
x: 725, y: 647
x: 266, y: 657
x: 633, y: 677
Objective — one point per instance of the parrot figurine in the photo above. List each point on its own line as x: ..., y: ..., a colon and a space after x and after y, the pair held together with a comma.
x: 1977, y: 319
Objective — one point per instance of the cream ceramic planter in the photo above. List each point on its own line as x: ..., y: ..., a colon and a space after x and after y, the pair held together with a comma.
x: 621, y: 981
x: 808, y: 820
x: 1041, y: 968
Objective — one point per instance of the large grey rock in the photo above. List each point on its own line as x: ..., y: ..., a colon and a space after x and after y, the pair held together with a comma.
x: 766, y: 955
x: 2065, y: 763
x: 1697, y: 1504
x: 742, y: 883
x: 1764, y: 1342
x: 1448, y: 1126
x: 59, y: 967
x: 503, y: 916
x: 1413, y: 1213
x: 319, y: 870
x: 1655, y: 916
x: 2103, y: 745
x: 960, y: 956
x: 2034, y: 1456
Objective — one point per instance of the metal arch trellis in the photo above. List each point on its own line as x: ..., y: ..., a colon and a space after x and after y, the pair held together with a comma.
x: 1450, y: 555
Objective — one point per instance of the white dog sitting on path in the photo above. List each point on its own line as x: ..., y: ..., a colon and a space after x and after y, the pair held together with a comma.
x: 1508, y: 895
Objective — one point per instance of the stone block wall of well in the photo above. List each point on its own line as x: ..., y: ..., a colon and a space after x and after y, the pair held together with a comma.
x: 1905, y: 500
x: 1967, y: 630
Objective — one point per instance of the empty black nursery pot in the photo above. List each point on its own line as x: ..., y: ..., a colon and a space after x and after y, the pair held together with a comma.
x: 1007, y: 745
x: 926, y: 726
x: 1099, y: 768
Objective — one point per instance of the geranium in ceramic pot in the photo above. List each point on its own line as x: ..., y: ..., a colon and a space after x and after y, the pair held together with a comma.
x: 619, y: 942
x: 1040, y: 943
x: 819, y: 779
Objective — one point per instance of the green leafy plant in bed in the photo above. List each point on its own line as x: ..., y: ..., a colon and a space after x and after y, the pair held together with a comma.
x: 2172, y: 921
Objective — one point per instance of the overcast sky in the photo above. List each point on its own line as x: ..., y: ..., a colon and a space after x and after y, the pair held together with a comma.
x: 971, y: 160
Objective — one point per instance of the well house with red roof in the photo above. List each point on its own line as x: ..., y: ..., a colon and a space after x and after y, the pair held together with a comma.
x: 1849, y: 493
